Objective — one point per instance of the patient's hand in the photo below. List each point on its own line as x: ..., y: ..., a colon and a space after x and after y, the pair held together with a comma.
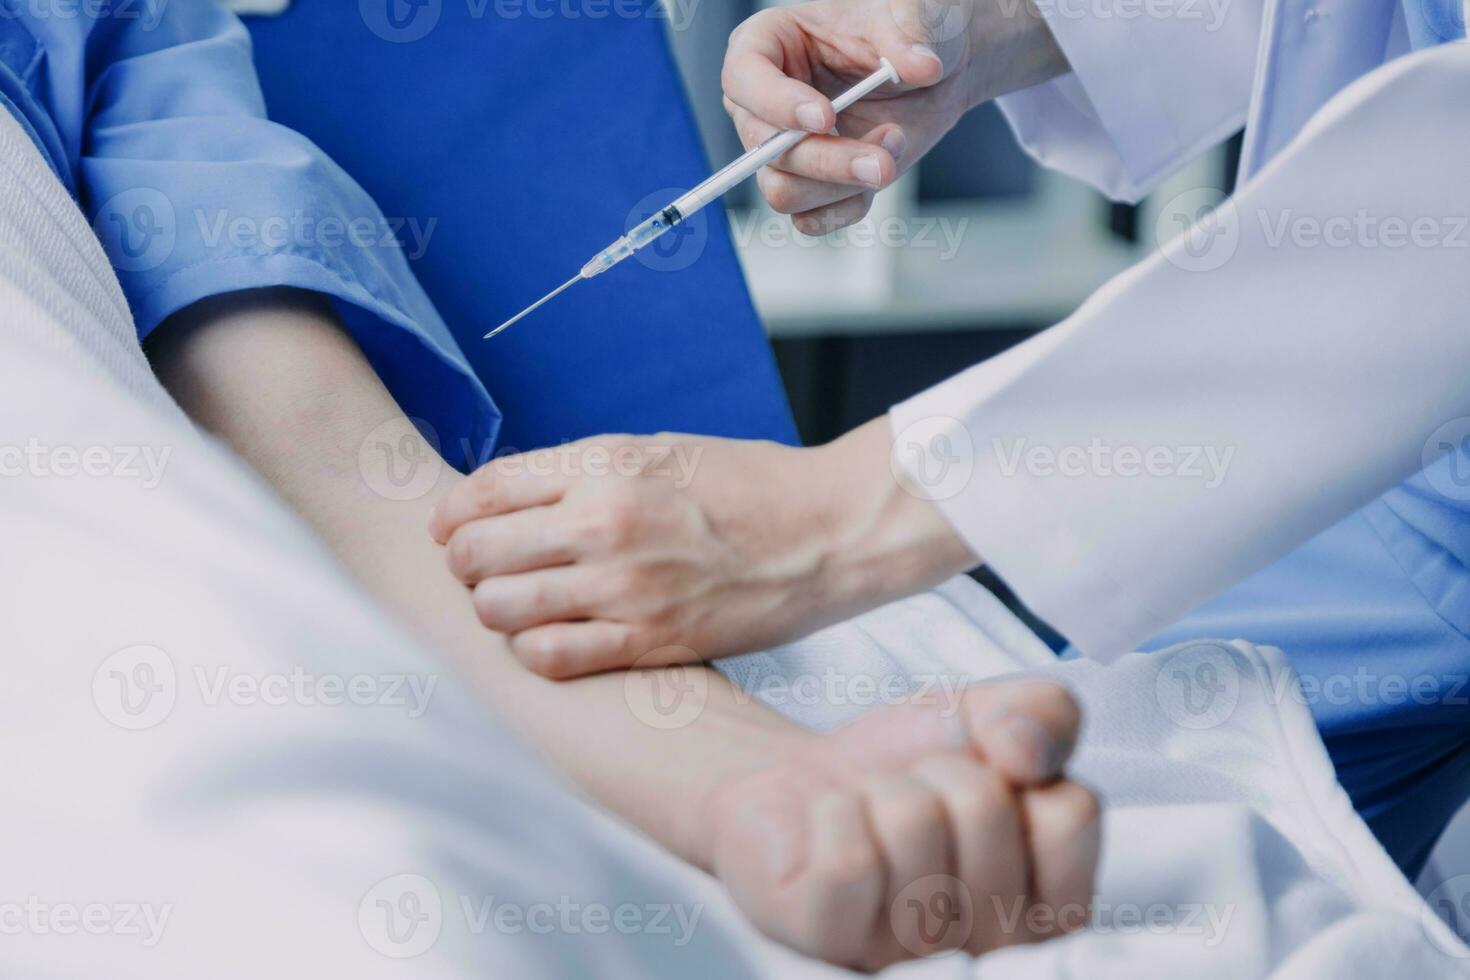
x: 253, y: 367
x: 912, y: 832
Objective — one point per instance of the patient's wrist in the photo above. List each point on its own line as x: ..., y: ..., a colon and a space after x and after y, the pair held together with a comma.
x: 883, y: 541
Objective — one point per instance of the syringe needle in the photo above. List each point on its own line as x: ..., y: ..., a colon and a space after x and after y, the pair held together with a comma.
x: 535, y: 306
x: 658, y: 223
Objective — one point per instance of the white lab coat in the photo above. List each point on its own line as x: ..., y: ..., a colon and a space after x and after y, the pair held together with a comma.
x: 1316, y: 370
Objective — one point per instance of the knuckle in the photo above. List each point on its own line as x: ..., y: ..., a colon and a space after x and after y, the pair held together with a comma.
x: 620, y: 520
x: 727, y: 72
x: 487, y: 605
x: 780, y: 192
x: 1079, y: 808
x: 1050, y: 703
x: 547, y: 660
x: 624, y: 584
x: 619, y: 646
x: 587, y: 534
x: 980, y: 798
x: 754, y: 23
x: 611, y: 524
x: 538, y: 598
x: 857, y: 210
x: 461, y: 555
x: 833, y: 163
x: 485, y: 491
x: 848, y: 867
x: 1061, y: 812
x: 913, y: 812
x: 1057, y: 702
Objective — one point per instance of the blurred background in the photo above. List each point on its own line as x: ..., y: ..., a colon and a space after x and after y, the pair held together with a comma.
x: 970, y: 252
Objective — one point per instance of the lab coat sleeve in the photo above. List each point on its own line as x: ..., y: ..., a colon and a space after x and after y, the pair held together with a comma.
x: 1153, y: 84
x: 195, y: 193
x: 1210, y: 409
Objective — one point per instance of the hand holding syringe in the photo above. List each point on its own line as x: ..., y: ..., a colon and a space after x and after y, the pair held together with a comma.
x: 706, y: 193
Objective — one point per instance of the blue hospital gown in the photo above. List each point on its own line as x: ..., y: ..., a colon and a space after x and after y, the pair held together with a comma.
x: 150, y: 112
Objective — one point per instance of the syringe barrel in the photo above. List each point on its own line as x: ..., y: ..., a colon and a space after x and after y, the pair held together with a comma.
x: 716, y: 186
x: 641, y: 236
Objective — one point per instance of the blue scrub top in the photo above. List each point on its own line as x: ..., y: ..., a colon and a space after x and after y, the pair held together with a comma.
x: 151, y: 114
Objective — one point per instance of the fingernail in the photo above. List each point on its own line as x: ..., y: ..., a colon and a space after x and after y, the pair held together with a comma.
x: 927, y: 52
x: 811, y: 117
x: 868, y: 170
x: 1035, y: 743
x: 896, y: 143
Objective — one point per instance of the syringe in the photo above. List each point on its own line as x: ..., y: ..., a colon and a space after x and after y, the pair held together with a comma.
x: 706, y: 193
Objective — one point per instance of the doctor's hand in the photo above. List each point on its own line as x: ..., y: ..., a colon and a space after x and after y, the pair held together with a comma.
x: 618, y: 551
x: 952, y: 55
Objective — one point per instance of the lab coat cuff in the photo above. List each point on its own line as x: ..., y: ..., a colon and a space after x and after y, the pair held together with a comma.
x: 961, y: 471
x: 1125, y: 101
x: 433, y: 385
x: 1125, y: 127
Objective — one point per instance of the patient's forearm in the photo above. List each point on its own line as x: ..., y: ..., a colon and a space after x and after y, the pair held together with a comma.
x: 276, y: 377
